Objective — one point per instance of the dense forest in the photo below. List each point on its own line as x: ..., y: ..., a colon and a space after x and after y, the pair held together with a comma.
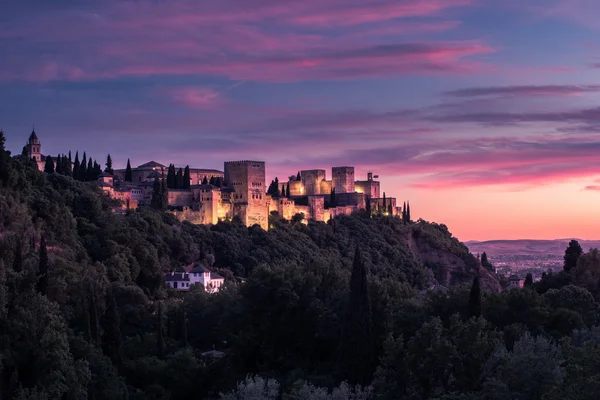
x: 363, y: 307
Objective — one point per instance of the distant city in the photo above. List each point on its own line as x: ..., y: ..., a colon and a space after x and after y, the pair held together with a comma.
x: 520, y: 257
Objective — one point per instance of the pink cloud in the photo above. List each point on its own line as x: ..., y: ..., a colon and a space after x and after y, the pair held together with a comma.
x: 256, y: 40
x: 593, y: 188
x: 196, y: 97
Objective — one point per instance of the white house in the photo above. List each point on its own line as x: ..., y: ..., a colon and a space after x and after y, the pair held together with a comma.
x: 195, y: 274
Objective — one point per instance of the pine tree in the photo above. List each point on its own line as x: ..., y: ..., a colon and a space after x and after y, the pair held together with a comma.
x: 187, y: 178
x: 179, y: 179
x: 49, y: 167
x: 171, y: 178
x: 83, y: 168
x: 160, y: 333
x: 128, y: 172
x: 59, y: 165
x: 111, y: 326
x: 109, y: 165
x: 528, y: 280
x: 475, y: 298
x: 355, y: 361
x: 43, y: 267
x: 76, y: 166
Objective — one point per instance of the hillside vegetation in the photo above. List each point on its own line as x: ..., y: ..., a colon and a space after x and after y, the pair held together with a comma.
x: 307, y: 312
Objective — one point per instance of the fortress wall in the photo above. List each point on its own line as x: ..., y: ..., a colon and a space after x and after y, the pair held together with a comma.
x: 325, y: 187
x: 317, y: 207
x: 180, y: 198
x: 370, y: 188
x: 312, y: 181
x: 343, y: 179
x: 296, y: 188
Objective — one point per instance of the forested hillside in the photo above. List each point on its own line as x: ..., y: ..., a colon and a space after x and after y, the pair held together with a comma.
x: 307, y: 312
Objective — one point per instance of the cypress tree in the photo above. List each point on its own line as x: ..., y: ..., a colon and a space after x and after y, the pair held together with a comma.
x: 283, y: 190
x: 408, y: 219
x: 70, y: 158
x: 355, y: 361
x: 205, y: 181
x: 76, y: 166
x: 18, y: 256
x: 4, y: 160
x: 128, y: 172
x: 218, y: 181
x: 298, y: 177
x: 276, y: 192
x: 49, y: 167
x: 187, y: 178
x: 83, y: 168
x: 528, y: 280
x: 332, y: 199
x: 160, y: 334
x: 111, y: 326
x: 109, y: 167
x: 404, y: 213
x: 384, y: 202
x: 43, y: 267
x: 171, y: 177
x: 89, y: 171
x: 59, y: 165
x: 156, y: 200
x: 368, y: 205
x: 164, y: 195
x: 390, y: 209
x: 93, y: 312
x: 475, y: 298
x: 179, y: 181
x: 287, y: 190
x: 67, y: 165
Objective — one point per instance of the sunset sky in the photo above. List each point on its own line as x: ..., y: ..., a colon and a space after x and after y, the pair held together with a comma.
x: 484, y: 114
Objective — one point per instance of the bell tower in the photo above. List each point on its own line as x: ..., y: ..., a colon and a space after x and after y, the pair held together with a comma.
x: 34, y: 147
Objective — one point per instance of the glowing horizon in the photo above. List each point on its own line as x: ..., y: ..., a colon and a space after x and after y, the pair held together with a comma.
x: 460, y: 106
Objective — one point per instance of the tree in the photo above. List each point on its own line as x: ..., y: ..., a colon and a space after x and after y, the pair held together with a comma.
x: 475, y: 298
x: 392, y: 377
x: 160, y: 195
x: 67, y: 165
x: 184, y: 329
x: 332, y: 199
x: 43, y: 267
x: 404, y: 213
x: 171, y: 177
x: 254, y: 388
x: 298, y: 177
x: 408, y: 218
x: 528, y: 280
x: 368, y: 205
x: 205, y: 181
x: 355, y: 360
x: 390, y: 209
x: 282, y: 190
x: 160, y: 332
x: 128, y: 172
x: 485, y: 262
x: 179, y: 179
x: 287, y: 190
x: 187, y: 178
x: 571, y: 256
x: 49, y: 167
x: 384, y: 202
x: 4, y: 160
x: 111, y: 325
x: 109, y: 165
x: 58, y: 166
x: 90, y: 173
x: 83, y: 168
x: 76, y: 166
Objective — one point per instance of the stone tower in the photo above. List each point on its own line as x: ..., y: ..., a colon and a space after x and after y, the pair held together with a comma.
x: 34, y: 147
x: 343, y: 179
x: 247, y: 179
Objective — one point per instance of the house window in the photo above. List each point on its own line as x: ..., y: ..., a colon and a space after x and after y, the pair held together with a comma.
x: 175, y: 285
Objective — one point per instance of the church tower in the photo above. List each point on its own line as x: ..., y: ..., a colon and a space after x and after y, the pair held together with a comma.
x: 34, y: 147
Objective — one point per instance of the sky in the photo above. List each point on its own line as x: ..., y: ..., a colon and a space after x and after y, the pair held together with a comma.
x: 484, y: 114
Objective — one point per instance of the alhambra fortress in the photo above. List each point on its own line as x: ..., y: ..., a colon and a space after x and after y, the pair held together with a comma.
x: 240, y: 190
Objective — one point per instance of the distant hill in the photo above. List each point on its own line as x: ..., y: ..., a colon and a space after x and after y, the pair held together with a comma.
x: 527, y: 246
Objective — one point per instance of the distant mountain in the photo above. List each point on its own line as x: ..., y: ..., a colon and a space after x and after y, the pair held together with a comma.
x: 527, y: 246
